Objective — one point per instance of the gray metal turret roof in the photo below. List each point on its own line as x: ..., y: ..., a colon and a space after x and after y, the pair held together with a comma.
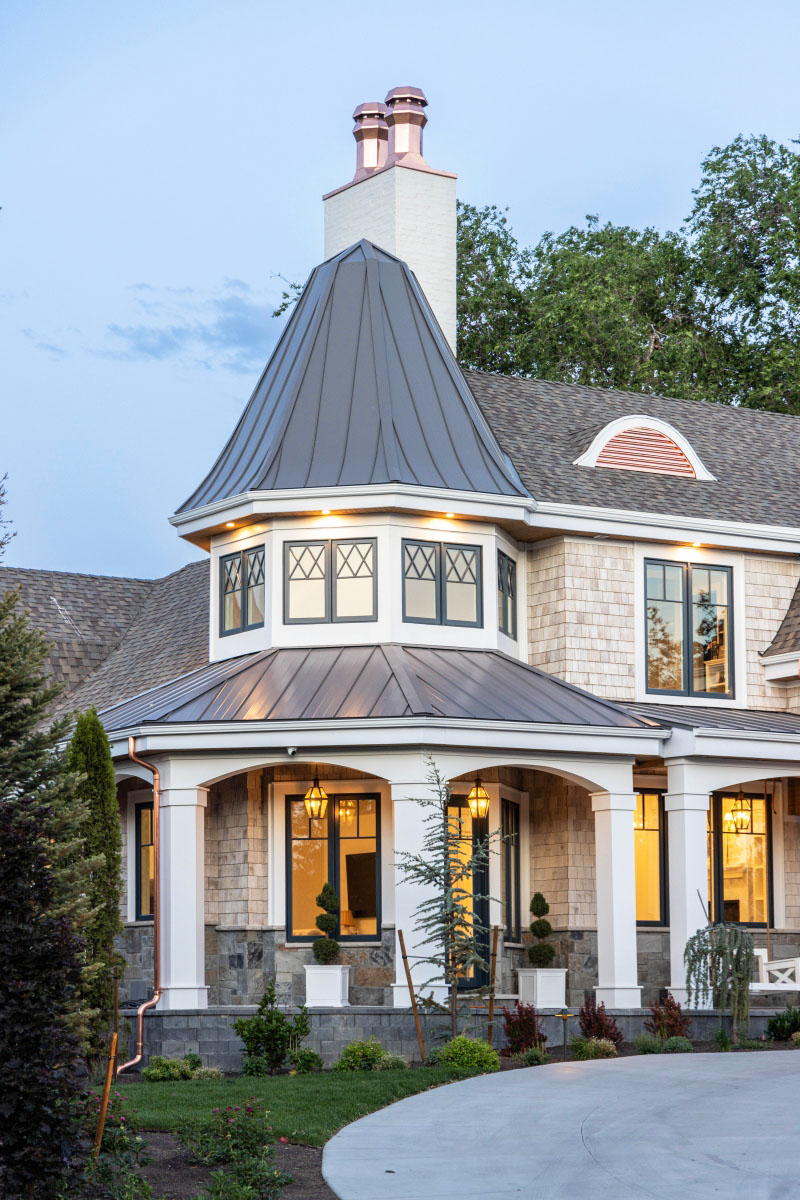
x: 362, y: 388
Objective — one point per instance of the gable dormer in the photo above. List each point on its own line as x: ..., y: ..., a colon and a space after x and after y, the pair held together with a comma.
x: 643, y: 443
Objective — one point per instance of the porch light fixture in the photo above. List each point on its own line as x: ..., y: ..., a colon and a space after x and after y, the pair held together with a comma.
x: 316, y: 800
x: 478, y: 799
x: 742, y: 814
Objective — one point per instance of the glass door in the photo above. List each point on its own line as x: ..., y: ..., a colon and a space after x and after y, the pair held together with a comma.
x: 470, y: 831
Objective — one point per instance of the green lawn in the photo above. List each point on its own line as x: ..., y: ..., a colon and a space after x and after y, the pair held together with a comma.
x: 303, y: 1108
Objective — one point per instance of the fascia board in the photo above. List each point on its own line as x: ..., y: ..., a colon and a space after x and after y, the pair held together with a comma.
x: 408, y: 732
x: 408, y: 497
x: 669, y: 527
x: 779, y: 667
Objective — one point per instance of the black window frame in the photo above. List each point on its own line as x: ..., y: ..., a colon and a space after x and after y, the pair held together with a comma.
x: 688, y: 689
x: 507, y: 609
x: 510, y: 855
x: 441, y: 617
x: 332, y: 818
x: 663, y: 860
x: 242, y: 555
x: 137, y: 850
x: 717, y: 914
x: 331, y: 615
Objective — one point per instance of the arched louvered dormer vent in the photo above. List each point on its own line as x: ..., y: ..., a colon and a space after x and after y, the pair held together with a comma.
x: 640, y: 443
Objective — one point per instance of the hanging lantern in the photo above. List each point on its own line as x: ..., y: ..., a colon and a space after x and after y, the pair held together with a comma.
x: 316, y: 800
x: 478, y: 799
x: 742, y: 814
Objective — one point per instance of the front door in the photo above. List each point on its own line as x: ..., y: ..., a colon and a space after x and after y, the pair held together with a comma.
x: 472, y: 831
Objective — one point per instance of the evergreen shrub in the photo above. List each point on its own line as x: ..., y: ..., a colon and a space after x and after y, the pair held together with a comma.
x: 647, y: 1043
x: 471, y: 1054
x: 167, y: 1070
x: 678, y: 1045
x: 270, y: 1035
x: 363, y: 1055
x: 533, y: 1057
x: 782, y: 1026
x: 585, y: 1048
x: 305, y: 1062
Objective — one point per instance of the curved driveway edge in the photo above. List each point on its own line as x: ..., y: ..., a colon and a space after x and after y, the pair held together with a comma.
x: 690, y: 1126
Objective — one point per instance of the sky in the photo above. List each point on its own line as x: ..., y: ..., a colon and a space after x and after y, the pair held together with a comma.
x: 162, y: 171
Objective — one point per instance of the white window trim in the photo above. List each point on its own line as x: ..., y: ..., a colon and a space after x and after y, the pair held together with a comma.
x: 699, y: 556
x: 640, y: 421
x: 276, y: 889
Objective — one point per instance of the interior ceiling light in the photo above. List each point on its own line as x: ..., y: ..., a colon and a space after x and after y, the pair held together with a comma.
x: 316, y: 800
x: 450, y: 515
x: 326, y: 512
x: 230, y: 524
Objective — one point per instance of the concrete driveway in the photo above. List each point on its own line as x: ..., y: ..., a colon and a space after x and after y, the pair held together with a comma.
x: 685, y: 1126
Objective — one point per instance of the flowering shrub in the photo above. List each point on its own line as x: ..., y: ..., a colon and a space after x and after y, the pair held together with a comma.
x: 523, y: 1030
x: 596, y: 1023
x: 115, y: 1174
x: 392, y: 1062
x: 593, y: 1047
x: 668, y: 1019
x: 239, y: 1137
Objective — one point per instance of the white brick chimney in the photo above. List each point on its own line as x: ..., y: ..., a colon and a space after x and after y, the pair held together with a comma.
x: 398, y: 202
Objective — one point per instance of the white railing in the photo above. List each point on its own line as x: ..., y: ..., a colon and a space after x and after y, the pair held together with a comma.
x: 776, y: 974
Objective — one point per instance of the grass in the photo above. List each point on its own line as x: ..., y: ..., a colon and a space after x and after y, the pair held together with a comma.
x: 303, y: 1108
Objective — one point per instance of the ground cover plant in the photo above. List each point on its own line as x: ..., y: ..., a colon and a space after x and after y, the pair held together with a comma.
x: 240, y: 1138
x: 523, y: 1030
x: 167, y: 1070
x: 595, y: 1022
x: 307, y: 1109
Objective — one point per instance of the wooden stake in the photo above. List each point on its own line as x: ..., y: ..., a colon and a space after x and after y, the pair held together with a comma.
x: 415, y: 1010
x: 112, y: 1055
x: 492, y: 977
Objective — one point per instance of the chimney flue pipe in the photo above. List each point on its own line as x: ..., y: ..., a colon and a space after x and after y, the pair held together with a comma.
x: 372, y: 136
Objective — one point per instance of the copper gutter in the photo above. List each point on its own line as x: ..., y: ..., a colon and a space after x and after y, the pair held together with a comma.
x: 153, y: 1001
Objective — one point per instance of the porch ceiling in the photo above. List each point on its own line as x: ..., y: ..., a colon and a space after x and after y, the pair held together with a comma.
x: 363, y: 682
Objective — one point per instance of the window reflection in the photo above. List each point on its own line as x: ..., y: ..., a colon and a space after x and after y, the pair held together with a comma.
x: 688, y: 629
x: 710, y: 630
x: 647, y: 841
x: 145, y: 862
x: 665, y: 627
x: 738, y: 858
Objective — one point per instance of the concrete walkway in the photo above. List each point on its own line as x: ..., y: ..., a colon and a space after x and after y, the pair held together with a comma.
x: 679, y: 1126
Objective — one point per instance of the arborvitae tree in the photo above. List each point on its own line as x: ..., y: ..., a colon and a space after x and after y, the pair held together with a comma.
x: 89, y: 756
x: 43, y: 911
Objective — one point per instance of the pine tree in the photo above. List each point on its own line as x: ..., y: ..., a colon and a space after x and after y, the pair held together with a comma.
x: 447, y: 919
x: 43, y: 911
x: 89, y: 756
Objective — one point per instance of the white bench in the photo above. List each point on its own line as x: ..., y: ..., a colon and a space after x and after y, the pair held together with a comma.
x: 776, y: 974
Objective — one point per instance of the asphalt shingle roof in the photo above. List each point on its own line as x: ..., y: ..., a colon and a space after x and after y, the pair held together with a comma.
x: 788, y: 636
x: 544, y: 427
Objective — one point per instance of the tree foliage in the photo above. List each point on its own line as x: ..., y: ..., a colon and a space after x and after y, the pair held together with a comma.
x: 42, y: 917
x: 709, y: 312
x: 445, y: 869
x: 89, y: 756
x: 719, y: 966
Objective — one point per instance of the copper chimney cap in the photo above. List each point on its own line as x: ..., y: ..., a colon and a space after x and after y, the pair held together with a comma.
x: 406, y: 119
x: 372, y: 137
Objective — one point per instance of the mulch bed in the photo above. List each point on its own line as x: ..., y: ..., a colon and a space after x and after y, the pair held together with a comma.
x: 172, y: 1175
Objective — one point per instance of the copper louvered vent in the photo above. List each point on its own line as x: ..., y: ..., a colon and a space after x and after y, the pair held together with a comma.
x: 642, y: 449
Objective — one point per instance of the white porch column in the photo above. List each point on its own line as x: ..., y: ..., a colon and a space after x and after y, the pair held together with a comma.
x: 687, y: 813
x: 617, y: 967
x: 409, y: 832
x: 183, y: 966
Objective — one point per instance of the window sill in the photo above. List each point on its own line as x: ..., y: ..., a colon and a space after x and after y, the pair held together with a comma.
x: 342, y: 942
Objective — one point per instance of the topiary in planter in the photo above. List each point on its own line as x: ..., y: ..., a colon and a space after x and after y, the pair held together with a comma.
x: 541, y: 953
x: 326, y: 948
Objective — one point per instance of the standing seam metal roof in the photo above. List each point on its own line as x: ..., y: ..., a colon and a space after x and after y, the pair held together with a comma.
x: 370, y: 682
x: 362, y: 388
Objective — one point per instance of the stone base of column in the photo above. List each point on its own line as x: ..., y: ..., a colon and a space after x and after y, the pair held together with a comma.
x: 183, y: 997
x: 619, y: 997
x: 401, y: 998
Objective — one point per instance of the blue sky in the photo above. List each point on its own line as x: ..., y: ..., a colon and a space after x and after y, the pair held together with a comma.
x: 162, y: 168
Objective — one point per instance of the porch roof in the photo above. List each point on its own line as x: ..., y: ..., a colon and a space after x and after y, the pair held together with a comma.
x: 744, y: 720
x: 363, y: 682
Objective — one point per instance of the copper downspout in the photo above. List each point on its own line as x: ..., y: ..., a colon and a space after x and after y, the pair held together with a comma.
x: 153, y: 1001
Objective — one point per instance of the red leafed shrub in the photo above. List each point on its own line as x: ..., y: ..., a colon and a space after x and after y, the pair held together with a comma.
x: 523, y: 1030
x: 668, y: 1019
x: 596, y: 1023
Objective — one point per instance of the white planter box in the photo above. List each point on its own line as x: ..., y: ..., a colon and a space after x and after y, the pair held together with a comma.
x: 327, y: 986
x: 543, y: 987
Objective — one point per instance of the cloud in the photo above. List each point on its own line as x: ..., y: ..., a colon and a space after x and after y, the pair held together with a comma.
x: 234, y: 329
x: 51, y: 348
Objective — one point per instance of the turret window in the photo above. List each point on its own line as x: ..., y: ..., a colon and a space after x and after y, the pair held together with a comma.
x: 242, y: 591
x: 506, y: 595
x: 442, y: 583
x: 330, y: 581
